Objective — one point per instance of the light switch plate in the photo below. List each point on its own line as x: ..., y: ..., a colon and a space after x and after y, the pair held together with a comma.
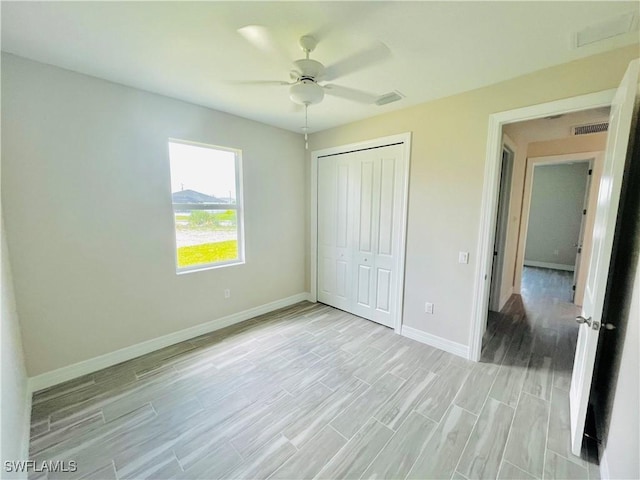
x: 463, y: 257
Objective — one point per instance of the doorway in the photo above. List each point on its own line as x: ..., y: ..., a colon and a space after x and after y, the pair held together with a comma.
x: 546, y: 203
x: 541, y: 350
x: 499, y: 128
x: 558, y: 222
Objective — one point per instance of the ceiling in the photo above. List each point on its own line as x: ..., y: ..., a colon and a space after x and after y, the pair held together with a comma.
x: 193, y: 51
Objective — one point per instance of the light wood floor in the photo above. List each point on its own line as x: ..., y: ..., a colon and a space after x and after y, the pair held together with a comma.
x: 310, y: 391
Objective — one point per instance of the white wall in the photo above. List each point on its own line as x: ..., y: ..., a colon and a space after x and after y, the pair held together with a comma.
x: 555, y: 214
x: 622, y: 451
x: 86, y: 195
x: 15, y: 401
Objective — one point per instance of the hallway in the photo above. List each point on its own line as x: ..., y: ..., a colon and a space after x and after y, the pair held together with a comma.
x: 539, y: 333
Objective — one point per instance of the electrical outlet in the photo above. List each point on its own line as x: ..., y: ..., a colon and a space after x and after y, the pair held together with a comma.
x: 463, y: 257
x: 227, y: 293
x: 428, y: 308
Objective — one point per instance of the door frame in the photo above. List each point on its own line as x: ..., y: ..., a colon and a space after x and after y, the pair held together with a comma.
x: 489, y: 203
x: 401, y: 236
x: 595, y: 160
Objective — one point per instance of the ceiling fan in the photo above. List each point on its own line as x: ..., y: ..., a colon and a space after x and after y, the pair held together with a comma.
x: 304, y: 87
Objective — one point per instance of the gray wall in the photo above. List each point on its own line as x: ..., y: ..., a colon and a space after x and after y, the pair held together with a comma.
x: 15, y: 406
x: 557, y: 200
x: 87, y: 204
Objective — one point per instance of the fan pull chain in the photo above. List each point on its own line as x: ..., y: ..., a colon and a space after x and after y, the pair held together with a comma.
x: 306, y: 128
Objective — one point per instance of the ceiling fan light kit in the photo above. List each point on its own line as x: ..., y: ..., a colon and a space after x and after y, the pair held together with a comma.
x: 306, y: 92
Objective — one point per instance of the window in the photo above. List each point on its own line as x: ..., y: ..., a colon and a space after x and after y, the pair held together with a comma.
x: 207, y: 205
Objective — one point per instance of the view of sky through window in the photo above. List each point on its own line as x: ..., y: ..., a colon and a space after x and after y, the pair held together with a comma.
x: 202, y: 169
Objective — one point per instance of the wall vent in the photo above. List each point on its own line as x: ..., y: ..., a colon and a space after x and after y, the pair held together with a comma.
x: 590, y: 128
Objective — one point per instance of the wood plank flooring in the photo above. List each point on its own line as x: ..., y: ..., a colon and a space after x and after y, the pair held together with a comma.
x: 313, y: 392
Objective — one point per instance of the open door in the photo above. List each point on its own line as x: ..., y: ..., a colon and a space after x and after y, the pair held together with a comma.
x: 622, y: 112
x: 504, y: 196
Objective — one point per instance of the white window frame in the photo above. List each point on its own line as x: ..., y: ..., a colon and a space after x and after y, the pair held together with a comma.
x: 238, y: 207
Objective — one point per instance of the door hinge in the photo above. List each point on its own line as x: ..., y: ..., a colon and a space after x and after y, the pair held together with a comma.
x: 590, y: 171
x: 584, y: 212
x: 573, y: 288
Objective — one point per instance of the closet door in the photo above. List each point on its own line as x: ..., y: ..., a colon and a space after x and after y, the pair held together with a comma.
x: 378, y: 189
x: 335, y: 256
x: 359, y: 220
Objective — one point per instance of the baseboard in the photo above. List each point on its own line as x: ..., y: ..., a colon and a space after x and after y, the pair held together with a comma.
x: 552, y: 266
x: 604, y: 465
x: 438, y: 342
x: 54, y: 377
x: 26, y: 428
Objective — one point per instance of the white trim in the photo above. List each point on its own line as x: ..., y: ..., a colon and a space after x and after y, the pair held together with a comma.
x: 438, y: 342
x: 489, y: 201
x: 313, y: 227
x: 405, y: 139
x: 553, y: 266
x: 605, y: 473
x: 238, y: 207
x: 26, y: 428
x: 69, y: 372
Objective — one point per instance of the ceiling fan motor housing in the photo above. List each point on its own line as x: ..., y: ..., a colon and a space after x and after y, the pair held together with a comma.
x: 307, y: 67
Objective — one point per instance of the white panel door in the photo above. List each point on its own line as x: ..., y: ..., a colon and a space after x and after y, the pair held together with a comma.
x: 377, y: 218
x: 335, y: 254
x: 360, y: 198
x: 366, y: 206
x: 622, y: 112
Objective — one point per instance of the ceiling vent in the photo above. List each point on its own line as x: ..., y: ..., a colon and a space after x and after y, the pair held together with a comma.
x: 607, y: 29
x: 389, y: 98
x: 589, y: 128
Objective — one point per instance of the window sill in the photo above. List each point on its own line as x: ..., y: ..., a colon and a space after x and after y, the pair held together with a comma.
x: 202, y: 268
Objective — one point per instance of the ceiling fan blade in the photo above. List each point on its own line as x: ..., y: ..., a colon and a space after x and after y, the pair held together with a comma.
x: 260, y: 37
x: 358, y: 61
x: 275, y: 83
x: 346, y: 16
x: 350, y: 94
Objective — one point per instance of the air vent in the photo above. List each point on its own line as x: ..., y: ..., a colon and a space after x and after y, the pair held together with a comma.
x: 389, y: 98
x: 590, y: 128
x: 606, y: 29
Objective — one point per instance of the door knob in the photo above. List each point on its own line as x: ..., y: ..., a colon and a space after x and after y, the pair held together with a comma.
x: 580, y: 319
x: 591, y: 323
